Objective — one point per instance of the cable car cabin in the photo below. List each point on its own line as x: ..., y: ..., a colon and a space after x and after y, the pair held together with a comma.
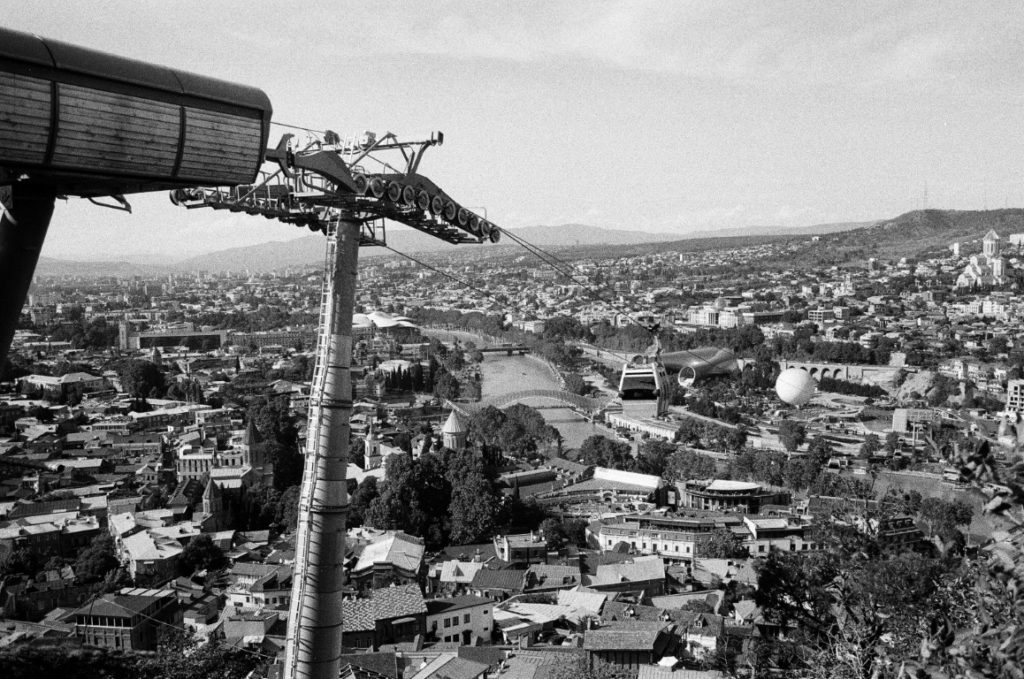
x: 644, y: 380
x: 91, y: 123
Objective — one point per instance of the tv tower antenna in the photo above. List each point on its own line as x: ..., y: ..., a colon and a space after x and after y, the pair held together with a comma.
x: 346, y: 189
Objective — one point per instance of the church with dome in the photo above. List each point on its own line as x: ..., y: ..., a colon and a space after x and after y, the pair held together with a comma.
x: 988, y: 268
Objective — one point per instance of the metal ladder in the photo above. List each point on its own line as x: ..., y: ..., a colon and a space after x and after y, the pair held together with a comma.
x: 313, y: 420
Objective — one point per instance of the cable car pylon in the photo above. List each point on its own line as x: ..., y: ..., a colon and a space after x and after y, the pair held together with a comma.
x: 345, y: 189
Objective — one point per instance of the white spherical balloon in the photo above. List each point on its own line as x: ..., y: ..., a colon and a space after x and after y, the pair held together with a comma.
x: 795, y: 386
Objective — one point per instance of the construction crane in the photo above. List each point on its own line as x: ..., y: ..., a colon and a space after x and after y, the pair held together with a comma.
x: 79, y: 122
x: 346, y: 189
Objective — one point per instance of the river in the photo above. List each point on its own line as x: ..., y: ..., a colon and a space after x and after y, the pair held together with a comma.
x: 503, y: 374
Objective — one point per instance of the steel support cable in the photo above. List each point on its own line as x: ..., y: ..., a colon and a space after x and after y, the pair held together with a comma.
x: 262, y: 656
x: 544, y: 255
x: 297, y: 127
x: 550, y: 260
x: 464, y: 283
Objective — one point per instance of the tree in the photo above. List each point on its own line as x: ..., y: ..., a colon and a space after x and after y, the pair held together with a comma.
x: 835, y: 485
x: 414, y: 497
x: 473, y: 508
x: 575, y: 384
x: 181, y: 656
x: 97, y: 560
x: 735, y: 438
x: 601, y: 451
x: 819, y: 451
x: 140, y: 378
x: 200, y: 554
x: 20, y: 560
x: 654, y: 457
x: 360, y: 501
x: 559, y: 533
x: 287, y: 514
x: 517, y: 431
x: 719, y: 544
x: 792, y: 434
x: 944, y: 516
x: 762, y: 466
x: 892, y: 442
x: 871, y: 445
x: 447, y: 387
x: 685, y: 465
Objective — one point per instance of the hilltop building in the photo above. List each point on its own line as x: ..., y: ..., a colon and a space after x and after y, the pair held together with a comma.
x: 988, y: 268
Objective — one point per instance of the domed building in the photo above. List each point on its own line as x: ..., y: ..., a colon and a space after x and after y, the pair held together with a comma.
x: 453, y: 434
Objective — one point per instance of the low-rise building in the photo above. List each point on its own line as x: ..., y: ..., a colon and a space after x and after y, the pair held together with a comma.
x: 724, y: 495
x: 460, y: 619
x: 128, y: 621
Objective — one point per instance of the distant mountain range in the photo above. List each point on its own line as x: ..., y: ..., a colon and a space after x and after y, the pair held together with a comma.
x: 308, y: 250
x: 906, y: 234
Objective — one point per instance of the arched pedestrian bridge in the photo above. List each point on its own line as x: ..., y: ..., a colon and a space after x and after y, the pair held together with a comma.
x: 582, y: 403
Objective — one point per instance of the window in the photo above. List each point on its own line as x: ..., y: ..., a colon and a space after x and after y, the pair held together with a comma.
x: 760, y: 548
x: 447, y: 622
x: 465, y: 618
x: 485, y: 611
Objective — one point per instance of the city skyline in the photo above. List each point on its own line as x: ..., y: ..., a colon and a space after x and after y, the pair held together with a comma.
x: 677, y: 119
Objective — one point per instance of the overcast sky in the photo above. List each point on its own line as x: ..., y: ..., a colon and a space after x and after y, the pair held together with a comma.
x: 655, y: 116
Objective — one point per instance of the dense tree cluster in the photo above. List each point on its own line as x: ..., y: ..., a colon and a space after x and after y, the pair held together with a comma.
x: 802, y: 346
x: 850, y: 388
x: 141, y: 378
x: 792, y: 434
x: 278, y: 438
x: 517, y: 431
x: 710, y: 436
x: 685, y: 465
x: 201, y: 554
x: 602, y: 451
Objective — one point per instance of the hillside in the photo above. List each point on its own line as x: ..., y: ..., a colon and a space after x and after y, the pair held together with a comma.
x: 906, y: 235
x: 922, y: 230
x: 308, y: 250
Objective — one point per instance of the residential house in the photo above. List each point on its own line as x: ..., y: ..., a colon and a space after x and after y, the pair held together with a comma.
x: 390, y: 615
x: 150, y: 556
x: 460, y: 619
x: 451, y: 666
x: 128, y: 621
x: 498, y: 585
x: 262, y: 586
x: 646, y: 573
x: 391, y: 557
x: 628, y: 645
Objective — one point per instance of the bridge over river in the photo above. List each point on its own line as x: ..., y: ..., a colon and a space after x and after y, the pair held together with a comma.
x: 584, y: 404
